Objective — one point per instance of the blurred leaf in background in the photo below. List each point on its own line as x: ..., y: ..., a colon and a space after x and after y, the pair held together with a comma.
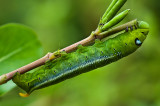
x: 19, y: 46
x: 132, y: 81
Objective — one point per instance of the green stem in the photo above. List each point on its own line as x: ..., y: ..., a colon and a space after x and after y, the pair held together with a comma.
x: 112, y: 12
x: 118, y: 18
x: 109, y: 8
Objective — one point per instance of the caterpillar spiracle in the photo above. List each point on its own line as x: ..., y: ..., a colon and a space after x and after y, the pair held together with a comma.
x: 84, y: 59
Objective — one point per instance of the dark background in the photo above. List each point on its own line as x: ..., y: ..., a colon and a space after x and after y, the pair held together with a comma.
x: 132, y: 81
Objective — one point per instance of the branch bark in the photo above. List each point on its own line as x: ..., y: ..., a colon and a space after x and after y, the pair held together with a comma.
x: 89, y: 40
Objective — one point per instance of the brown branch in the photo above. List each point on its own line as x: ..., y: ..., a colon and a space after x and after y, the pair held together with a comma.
x: 6, y: 77
x: 94, y: 35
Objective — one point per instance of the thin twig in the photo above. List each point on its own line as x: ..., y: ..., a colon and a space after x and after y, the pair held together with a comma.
x: 95, y: 35
x: 6, y: 77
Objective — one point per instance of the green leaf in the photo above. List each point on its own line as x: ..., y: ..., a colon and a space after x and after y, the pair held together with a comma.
x: 18, y: 46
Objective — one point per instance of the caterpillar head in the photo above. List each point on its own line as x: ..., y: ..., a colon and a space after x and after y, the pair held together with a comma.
x: 138, y: 35
x: 134, y: 38
x: 141, y: 33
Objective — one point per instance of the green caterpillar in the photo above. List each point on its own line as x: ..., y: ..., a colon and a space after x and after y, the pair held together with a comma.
x: 84, y: 59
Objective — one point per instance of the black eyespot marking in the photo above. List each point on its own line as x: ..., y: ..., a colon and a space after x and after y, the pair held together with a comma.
x: 131, y: 28
x: 101, y: 24
x: 143, y: 33
x: 101, y: 52
x: 135, y: 26
x: 126, y: 44
x: 138, y: 42
x: 114, y: 49
x: 127, y: 29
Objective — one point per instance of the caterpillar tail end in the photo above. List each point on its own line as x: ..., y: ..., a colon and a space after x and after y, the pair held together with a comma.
x: 23, y: 94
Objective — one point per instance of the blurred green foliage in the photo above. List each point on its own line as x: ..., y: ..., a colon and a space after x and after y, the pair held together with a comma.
x: 19, y: 46
x: 132, y: 81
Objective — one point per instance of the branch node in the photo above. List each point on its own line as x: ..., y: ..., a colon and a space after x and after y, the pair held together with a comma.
x: 3, y: 79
